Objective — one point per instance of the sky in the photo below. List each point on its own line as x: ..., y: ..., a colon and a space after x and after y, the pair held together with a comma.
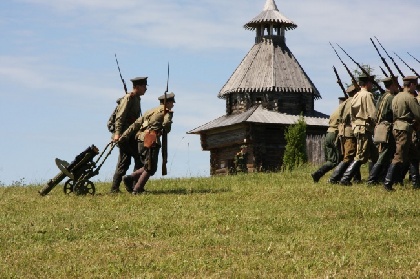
x: 59, y: 79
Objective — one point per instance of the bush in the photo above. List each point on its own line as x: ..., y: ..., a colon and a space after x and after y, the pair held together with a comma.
x: 295, y: 153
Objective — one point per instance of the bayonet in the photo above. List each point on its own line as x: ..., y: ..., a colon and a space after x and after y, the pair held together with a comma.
x: 414, y: 71
x: 392, y: 59
x: 353, y: 79
x: 340, y: 83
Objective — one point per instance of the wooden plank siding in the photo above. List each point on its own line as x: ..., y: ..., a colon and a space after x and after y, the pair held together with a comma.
x: 266, y: 147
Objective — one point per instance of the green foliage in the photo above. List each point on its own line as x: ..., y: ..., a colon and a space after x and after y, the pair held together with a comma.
x: 259, y: 225
x: 295, y: 153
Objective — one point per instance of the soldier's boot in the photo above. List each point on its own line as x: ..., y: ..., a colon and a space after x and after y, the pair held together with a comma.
x: 389, y: 178
x: 116, y: 181
x: 131, y: 180
x: 139, y: 187
x: 414, y: 174
x: 357, y: 178
x: 350, y: 172
x: 383, y: 172
x: 338, y: 172
x: 316, y: 176
x: 374, y: 175
x: 399, y: 178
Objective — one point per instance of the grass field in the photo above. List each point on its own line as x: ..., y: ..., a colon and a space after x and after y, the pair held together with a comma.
x: 266, y: 225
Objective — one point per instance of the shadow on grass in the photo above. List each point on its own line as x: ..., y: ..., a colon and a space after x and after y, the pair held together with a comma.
x: 184, y: 191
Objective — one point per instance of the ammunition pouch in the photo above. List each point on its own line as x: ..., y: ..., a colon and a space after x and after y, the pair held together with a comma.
x: 382, y: 131
x: 150, y: 138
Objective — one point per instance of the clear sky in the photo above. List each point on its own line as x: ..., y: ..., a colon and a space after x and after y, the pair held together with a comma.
x: 59, y: 80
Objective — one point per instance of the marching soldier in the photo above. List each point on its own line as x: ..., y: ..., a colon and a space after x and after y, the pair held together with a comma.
x: 363, y: 119
x: 241, y: 160
x: 128, y: 111
x: 383, y: 138
x: 346, y: 137
x: 406, y: 111
x: 148, y: 130
x: 332, y: 152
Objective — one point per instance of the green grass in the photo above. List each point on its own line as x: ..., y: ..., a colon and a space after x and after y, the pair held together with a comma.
x: 274, y: 225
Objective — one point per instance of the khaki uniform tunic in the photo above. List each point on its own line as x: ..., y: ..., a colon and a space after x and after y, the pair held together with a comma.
x: 128, y: 112
x: 363, y: 119
x: 406, y: 110
x: 348, y: 141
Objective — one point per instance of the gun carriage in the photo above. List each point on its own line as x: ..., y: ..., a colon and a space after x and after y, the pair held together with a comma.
x: 79, y: 171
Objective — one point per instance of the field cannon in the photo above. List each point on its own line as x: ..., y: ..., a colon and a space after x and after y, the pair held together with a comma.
x: 79, y: 172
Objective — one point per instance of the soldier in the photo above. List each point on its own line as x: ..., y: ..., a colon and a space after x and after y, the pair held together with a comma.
x: 148, y: 130
x: 383, y: 138
x: 346, y: 137
x: 241, y: 160
x: 128, y: 111
x: 406, y: 111
x: 363, y: 119
x: 332, y: 152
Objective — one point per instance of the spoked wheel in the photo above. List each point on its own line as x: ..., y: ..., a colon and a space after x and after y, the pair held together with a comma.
x: 84, y: 187
x: 68, y: 186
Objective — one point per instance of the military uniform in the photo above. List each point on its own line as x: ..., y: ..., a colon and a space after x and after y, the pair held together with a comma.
x: 148, y: 130
x: 363, y: 119
x: 128, y: 111
x: 241, y: 160
x: 332, y: 152
x: 384, y: 117
x: 346, y: 137
x: 405, y: 110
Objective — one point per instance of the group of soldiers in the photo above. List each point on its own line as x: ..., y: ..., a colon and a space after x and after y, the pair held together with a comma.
x: 385, y: 134
x: 138, y: 137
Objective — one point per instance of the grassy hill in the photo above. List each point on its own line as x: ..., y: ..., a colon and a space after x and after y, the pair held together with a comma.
x: 272, y: 225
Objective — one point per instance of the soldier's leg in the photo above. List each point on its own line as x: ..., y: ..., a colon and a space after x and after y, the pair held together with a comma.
x: 401, y: 152
x: 331, y: 157
x: 360, y: 158
x: 123, y: 164
x: 348, y: 157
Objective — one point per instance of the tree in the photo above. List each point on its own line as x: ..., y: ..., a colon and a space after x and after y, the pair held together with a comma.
x: 295, y: 154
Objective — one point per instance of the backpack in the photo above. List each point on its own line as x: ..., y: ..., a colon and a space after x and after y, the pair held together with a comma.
x: 111, y: 121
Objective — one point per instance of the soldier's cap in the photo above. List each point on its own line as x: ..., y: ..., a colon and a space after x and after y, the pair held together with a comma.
x: 410, y: 78
x: 351, y: 89
x: 139, y: 81
x: 365, y: 78
x: 169, y: 97
x: 389, y: 80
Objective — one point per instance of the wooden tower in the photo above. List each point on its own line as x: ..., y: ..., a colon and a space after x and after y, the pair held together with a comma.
x: 266, y: 93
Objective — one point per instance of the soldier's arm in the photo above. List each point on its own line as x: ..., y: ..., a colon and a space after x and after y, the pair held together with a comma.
x: 371, y: 108
x: 134, y: 128
x: 121, y: 115
x: 167, y: 121
x: 415, y: 108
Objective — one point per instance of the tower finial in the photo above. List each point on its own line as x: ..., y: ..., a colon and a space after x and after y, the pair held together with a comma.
x: 270, y: 5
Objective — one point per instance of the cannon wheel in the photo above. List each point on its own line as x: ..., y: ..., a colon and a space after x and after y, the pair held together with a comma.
x: 68, y: 186
x: 84, y: 187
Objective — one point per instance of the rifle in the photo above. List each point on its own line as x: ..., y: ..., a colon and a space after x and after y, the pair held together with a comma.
x: 386, y: 65
x: 413, y: 57
x: 414, y: 71
x: 392, y: 59
x: 340, y: 83
x: 119, y: 70
x: 383, y: 71
x: 353, y: 79
x: 165, y: 134
x: 364, y: 71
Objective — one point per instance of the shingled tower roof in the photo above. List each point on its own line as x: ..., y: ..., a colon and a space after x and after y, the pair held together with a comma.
x: 270, y: 66
x: 270, y: 14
